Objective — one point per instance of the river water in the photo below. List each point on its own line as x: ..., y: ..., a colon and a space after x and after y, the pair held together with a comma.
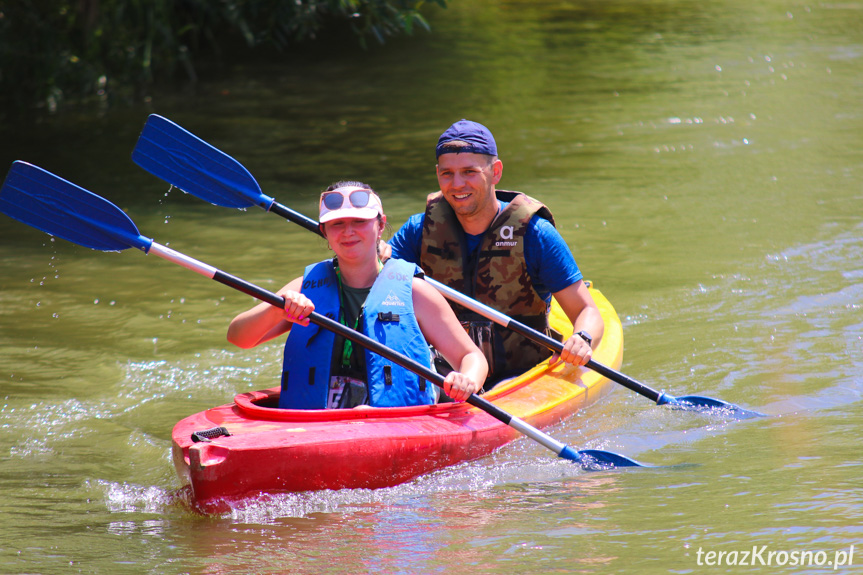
x: 703, y: 160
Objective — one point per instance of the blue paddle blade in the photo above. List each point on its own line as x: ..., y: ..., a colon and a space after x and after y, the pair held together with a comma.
x: 708, y: 404
x: 183, y: 160
x: 595, y: 459
x: 49, y: 203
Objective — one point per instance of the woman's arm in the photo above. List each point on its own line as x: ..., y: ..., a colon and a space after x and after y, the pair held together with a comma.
x: 265, y: 322
x: 442, y: 329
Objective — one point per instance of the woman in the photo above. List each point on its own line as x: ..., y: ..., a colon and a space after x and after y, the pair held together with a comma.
x: 386, y: 302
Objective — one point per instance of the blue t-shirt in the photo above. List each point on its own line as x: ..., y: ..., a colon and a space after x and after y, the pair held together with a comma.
x: 550, y: 264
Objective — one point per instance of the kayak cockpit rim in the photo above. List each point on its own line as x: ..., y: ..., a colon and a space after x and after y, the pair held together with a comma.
x: 263, y: 404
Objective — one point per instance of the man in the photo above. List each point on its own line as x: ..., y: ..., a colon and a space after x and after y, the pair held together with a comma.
x: 500, y: 248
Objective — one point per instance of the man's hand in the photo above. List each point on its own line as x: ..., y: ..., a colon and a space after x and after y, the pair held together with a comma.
x: 385, y: 251
x: 576, y: 351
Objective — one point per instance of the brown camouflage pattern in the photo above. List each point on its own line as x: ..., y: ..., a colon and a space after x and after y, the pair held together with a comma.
x: 500, y: 279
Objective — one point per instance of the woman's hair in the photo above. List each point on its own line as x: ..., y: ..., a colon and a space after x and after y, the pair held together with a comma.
x: 348, y: 184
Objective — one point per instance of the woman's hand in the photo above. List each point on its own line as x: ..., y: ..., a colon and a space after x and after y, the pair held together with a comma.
x: 265, y: 322
x: 297, y: 306
x: 459, y: 386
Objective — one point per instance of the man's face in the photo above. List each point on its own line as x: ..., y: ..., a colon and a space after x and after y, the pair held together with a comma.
x: 467, y: 181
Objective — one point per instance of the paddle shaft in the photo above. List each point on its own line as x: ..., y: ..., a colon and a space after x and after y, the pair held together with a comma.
x: 196, y: 167
x: 47, y: 202
x: 356, y: 337
x: 489, y: 313
x: 184, y: 160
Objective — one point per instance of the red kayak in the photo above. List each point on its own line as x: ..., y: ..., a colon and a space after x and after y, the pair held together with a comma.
x: 270, y: 450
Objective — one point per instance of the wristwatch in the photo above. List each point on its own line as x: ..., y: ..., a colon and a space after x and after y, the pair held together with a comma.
x: 585, y: 336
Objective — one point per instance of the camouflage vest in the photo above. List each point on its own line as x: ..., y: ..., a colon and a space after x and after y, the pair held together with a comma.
x: 496, y: 275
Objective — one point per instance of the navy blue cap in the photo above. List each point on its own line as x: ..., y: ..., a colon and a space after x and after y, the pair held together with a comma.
x: 476, y: 135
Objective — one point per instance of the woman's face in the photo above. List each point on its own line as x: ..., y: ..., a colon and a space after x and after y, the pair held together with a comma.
x: 354, y: 238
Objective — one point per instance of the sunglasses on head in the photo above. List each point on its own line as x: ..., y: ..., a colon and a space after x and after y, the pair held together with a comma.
x: 335, y: 199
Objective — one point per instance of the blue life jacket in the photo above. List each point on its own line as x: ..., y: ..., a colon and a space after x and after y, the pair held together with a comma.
x: 387, y: 316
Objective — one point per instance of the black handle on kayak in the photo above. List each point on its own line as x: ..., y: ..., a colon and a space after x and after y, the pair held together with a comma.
x: 208, y: 434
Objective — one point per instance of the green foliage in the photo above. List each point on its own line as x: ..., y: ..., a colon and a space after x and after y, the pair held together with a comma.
x: 58, y: 50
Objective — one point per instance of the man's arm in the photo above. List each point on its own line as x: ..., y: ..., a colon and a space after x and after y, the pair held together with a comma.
x: 552, y: 265
x: 406, y: 244
x: 579, y: 307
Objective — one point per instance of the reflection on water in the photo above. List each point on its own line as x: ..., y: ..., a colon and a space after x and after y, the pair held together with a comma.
x: 700, y: 159
x: 323, y: 532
